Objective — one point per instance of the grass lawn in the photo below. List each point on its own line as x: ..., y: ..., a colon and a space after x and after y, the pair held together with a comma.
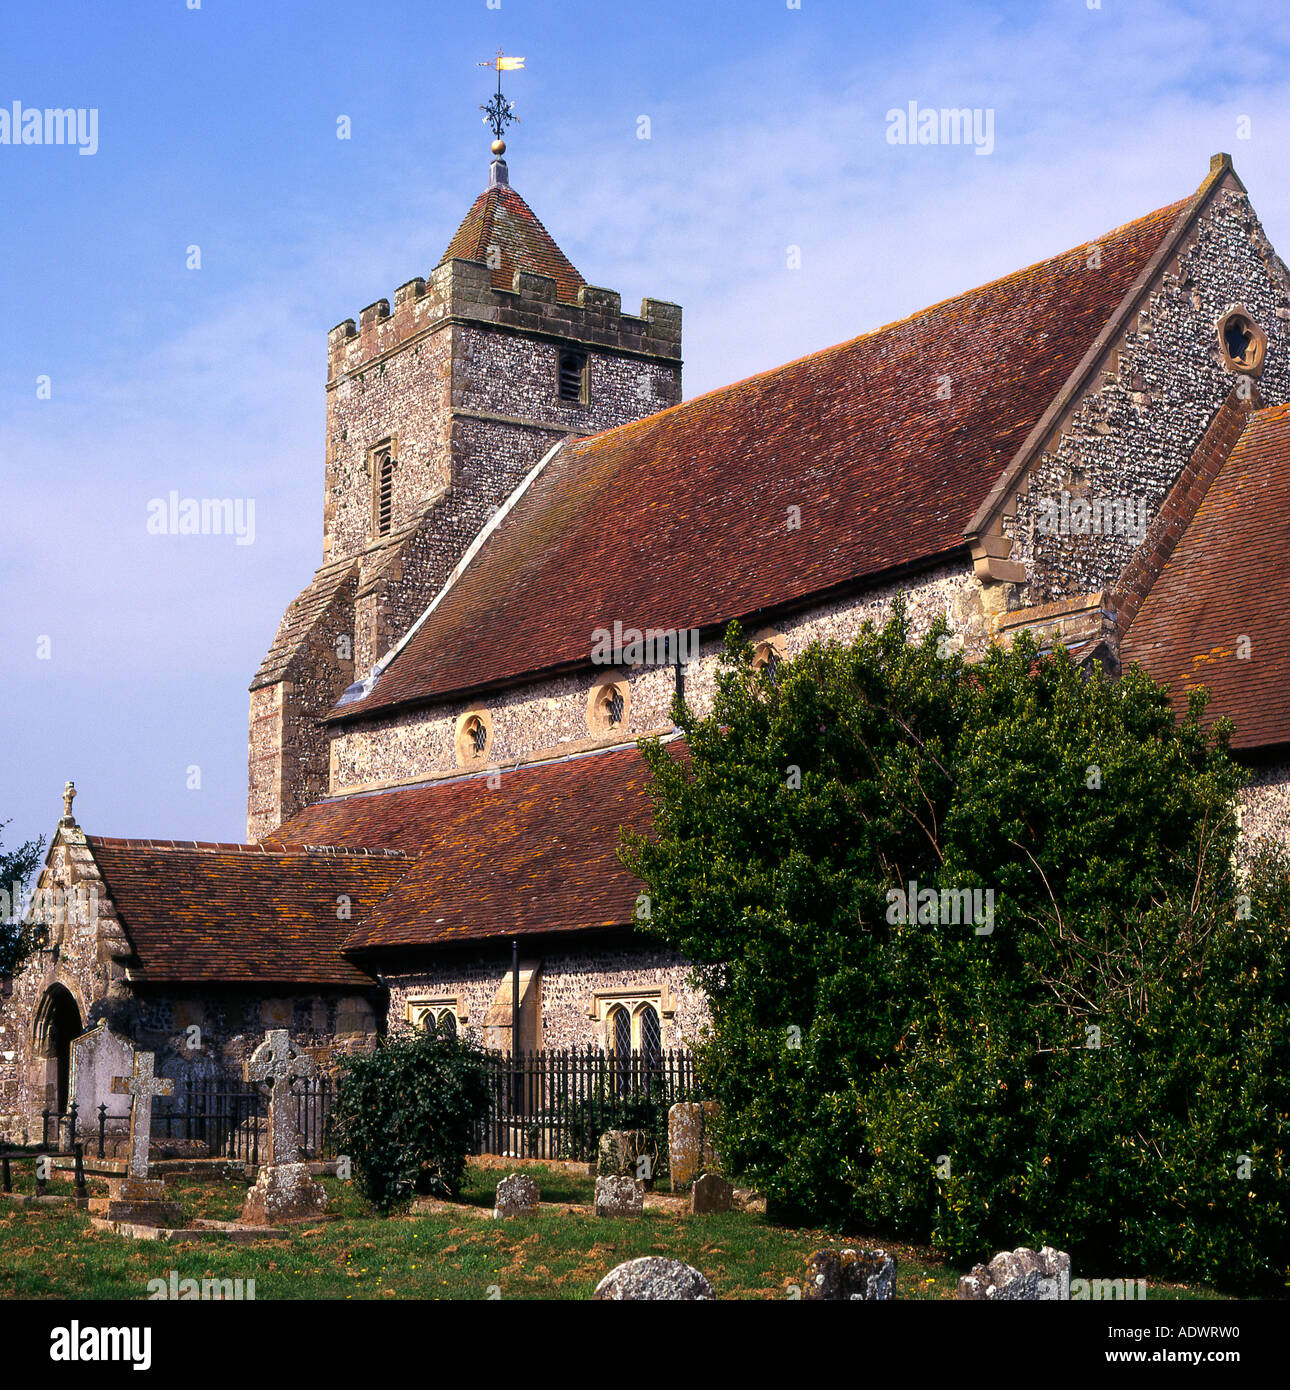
x: 456, y: 1252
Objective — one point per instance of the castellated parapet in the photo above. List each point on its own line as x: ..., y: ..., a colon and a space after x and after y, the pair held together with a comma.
x: 458, y: 384
x: 463, y: 291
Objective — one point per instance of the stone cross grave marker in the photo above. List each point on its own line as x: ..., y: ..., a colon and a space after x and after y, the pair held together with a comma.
x: 272, y: 1062
x: 142, y: 1086
x: 283, y: 1189
x: 136, y: 1198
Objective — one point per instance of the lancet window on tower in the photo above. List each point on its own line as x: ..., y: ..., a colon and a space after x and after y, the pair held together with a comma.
x: 384, y: 491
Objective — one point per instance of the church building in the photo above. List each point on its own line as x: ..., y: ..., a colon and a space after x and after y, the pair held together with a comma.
x: 531, y: 542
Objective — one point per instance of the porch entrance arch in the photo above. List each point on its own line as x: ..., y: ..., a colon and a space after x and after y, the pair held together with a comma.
x: 58, y: 1021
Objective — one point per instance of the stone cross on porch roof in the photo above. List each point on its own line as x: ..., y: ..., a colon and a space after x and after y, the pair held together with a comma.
x: 143, y: 1085
x: 272, y: 1062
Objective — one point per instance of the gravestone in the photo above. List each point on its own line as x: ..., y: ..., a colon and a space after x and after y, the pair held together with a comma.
x: 689, y: 1146
x: 1021, y: 1275
x: 98, y: 1056
x: 620, y: 1152
x: 711, y: 1193
x: 619, y: 1196
x: 517, y: 1195
x: 653, y: 1278
x: 136, y: 1197
x: 853, y: 1276
x: 283, y: 1189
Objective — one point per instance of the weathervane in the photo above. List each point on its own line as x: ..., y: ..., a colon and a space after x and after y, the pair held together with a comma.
x: 499, y: 113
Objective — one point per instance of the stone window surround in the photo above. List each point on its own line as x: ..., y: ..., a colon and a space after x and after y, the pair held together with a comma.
x: 462, y: 742
x: 1258, y: 347
x: 604, y: 1001
x: 598, y: 698
x: 390, y: 445
x: 635, y: 1011
x: 418, y: 1005
x: 766, y: 642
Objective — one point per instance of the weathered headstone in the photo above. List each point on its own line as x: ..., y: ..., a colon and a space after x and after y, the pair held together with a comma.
x: 1021, y: 1275
x: 517, y: 1195
x: 711, y: 1193
x: 856, y: 1276
x: 138, y: 1198
x: 619, y: 1196
x: 653, y: 1278
x: 97, y: 1056
x: 283, y: 1189
x: 689, y: 1145
x: 620, y: 1152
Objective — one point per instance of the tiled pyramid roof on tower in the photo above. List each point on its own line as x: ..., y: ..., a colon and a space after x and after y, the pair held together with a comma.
x: 500, y: 218
x: 681, y: 519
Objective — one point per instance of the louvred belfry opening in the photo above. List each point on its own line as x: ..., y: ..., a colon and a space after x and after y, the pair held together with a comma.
x: 385, y: 494
x: 573, y: 368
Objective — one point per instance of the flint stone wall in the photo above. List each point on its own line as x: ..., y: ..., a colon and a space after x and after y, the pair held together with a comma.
x: 1133, y: 432
x: 569, y: 981
x: 551, y: 714
x: 1265, y: 805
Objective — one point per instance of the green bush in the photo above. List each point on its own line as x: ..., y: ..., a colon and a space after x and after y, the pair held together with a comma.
x: 405, y: 1115
x: 937, y: 1082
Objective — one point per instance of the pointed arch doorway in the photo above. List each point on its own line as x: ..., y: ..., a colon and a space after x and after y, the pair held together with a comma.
x: 58, y: 1021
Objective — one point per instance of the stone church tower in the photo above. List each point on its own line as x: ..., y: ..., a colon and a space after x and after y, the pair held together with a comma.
x: 437, y: 409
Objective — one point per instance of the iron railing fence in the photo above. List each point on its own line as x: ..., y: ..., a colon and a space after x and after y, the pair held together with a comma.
x: 551, y: 1104
x: 556, y: 1104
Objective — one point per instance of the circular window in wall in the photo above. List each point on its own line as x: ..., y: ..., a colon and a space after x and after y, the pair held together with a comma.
x: 1242, y: 342
x: 608, y: 707
x: 474, y: 737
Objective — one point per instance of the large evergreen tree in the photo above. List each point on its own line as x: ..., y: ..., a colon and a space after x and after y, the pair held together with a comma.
x: 1089, y: 1051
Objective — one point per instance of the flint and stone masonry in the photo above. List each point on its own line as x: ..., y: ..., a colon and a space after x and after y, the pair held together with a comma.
x: 459, y: 384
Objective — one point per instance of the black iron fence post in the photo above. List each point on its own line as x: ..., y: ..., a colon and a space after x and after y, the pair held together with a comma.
x: 102, y: 1128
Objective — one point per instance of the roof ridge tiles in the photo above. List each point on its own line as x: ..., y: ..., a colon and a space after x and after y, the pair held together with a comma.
x: 769, y: 372
x: 237, y: 847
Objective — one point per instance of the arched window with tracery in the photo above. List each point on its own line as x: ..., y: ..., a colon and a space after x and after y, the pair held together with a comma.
x: 650, y: 1034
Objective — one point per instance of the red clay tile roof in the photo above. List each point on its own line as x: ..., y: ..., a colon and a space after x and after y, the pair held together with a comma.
x: 238, y: 913
x: 1230, y: 578
x: 682, y: 519
x: 500, y: 217
x: 535, y: 854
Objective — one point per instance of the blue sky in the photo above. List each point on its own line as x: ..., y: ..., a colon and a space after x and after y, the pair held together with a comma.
x: 217, y: 128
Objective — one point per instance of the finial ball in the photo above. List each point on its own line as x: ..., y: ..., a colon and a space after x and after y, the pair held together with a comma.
x: 499, y: 147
